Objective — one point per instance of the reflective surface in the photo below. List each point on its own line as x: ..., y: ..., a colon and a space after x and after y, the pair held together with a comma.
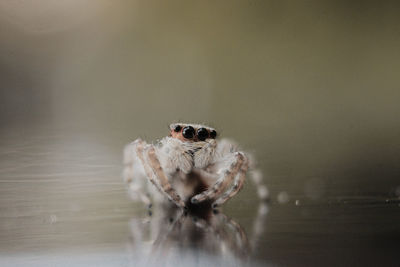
x: 63, y: 202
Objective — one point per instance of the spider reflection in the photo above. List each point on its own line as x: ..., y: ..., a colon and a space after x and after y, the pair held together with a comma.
x: 201, y: 236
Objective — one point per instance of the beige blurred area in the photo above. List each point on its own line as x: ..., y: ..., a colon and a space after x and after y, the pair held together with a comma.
x: 311, y: 88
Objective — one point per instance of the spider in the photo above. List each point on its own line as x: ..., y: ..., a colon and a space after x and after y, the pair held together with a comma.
x: 188, y: 167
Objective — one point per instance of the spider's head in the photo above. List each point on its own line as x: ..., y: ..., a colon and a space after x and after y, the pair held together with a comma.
x: 192, y: 132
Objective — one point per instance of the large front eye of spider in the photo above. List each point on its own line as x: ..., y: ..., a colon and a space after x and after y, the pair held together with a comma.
x: 202, y: 134
x: 188, y: 132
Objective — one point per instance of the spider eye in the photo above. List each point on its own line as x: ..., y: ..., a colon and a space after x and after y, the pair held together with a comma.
x: 213, y: 134
x: 202, y: 134
x: 177, y: 128
x: 188, y: 132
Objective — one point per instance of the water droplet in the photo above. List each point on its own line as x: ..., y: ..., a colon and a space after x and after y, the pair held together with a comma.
x: 283, y: 197
x: 53, y: 218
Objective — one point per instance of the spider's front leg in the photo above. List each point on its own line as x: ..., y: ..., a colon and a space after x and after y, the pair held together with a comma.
x: 162, y: 178
x: 153, y: 170
x: 237, y: 185
x: 239, y: 165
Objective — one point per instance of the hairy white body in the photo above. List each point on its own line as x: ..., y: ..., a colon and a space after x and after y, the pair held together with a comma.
x: 186, y: 170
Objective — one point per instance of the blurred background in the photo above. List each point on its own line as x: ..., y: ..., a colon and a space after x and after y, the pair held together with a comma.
x: 311, y: 88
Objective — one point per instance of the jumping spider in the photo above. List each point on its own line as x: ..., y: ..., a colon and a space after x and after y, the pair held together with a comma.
x: 188, y: 167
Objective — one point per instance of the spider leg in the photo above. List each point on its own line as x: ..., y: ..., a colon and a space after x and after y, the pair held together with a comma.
x: 157, y: 170
x: 166, y: 231
x: 226, y: 179
x: 257, y: 178
x: 241, y: 242
x: 139, y: 147
x: 143, y: 197
x: 237, y: 185
x: 259, y: 225
x: 134, y: 153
